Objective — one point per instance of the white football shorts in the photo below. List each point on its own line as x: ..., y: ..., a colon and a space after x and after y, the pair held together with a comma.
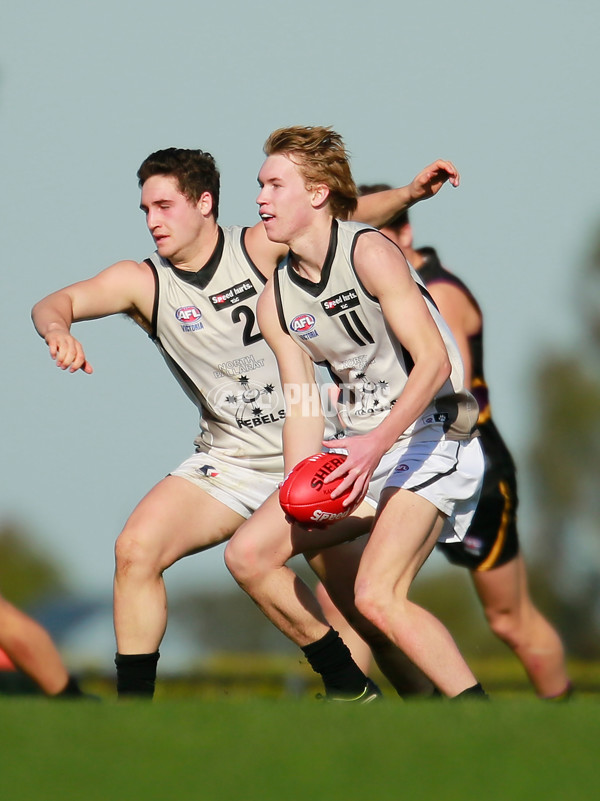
x: 447, y: 473
x: 242, y: 489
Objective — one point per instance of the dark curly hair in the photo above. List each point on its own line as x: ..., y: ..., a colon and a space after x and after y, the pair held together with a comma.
x: 196, y: 172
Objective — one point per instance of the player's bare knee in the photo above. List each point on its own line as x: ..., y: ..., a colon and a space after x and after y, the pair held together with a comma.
x: 248, y: 561
x: 132, y: 553
x: 506, y: 625
x: 371, y: 603
x: 241, y: 559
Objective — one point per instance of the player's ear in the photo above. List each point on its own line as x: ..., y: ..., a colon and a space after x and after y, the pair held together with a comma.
x: 319, y: 194
x: 205, y: 203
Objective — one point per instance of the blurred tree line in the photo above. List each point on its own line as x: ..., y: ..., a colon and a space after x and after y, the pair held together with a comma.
x: 26, y: 574
x: 565, y: 462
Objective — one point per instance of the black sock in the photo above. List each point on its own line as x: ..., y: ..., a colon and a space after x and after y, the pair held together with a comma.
x: 71, y: 690
x: 476, y: 691
x: 331, y: 658
x: 136, y: 674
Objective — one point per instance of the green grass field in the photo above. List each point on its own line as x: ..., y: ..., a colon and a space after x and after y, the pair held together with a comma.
x: 235, y: 744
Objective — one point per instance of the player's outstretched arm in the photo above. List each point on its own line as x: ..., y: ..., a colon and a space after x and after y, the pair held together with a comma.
x: 125, y: 287
x: 379, y: 208
x: 52, y: 317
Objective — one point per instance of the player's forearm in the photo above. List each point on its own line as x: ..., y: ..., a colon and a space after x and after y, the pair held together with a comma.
x: 304, y: 427
x: 54, y: 313
x: 302, y: 437
x: 379, y: 208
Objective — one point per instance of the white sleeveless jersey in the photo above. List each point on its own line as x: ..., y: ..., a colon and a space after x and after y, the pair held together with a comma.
x: 204, y: 324
x: 340, y: 325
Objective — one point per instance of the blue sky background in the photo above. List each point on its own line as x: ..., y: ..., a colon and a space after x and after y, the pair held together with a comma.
x: 508, y: 91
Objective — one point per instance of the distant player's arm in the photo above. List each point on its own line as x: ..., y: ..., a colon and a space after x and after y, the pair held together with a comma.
x: 304, y: 427
x: 125, y: 287
x: 380, y: 207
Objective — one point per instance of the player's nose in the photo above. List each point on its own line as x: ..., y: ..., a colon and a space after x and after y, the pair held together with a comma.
x: 260, y: 199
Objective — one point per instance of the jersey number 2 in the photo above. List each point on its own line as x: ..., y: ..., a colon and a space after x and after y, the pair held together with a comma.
x: 248, y: 337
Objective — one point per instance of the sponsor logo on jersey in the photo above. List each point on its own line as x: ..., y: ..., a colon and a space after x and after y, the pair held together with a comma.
x: 304, y: 326
x: 232, y: 295
x: 340, y: 302
x: 189, y: 317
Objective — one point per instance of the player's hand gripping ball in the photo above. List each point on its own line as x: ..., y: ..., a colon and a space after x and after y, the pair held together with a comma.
x: 305, y: 498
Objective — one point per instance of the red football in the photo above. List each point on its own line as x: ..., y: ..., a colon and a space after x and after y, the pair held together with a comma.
x: 304, y: 497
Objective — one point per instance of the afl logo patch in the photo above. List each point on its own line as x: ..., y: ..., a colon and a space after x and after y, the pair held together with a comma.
x: 189, y: 317
x: 188, y: 314
x: 473, y: 545
x: 302, y: 324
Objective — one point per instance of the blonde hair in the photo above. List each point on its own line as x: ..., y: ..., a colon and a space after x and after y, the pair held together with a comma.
x: 322, y: 158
